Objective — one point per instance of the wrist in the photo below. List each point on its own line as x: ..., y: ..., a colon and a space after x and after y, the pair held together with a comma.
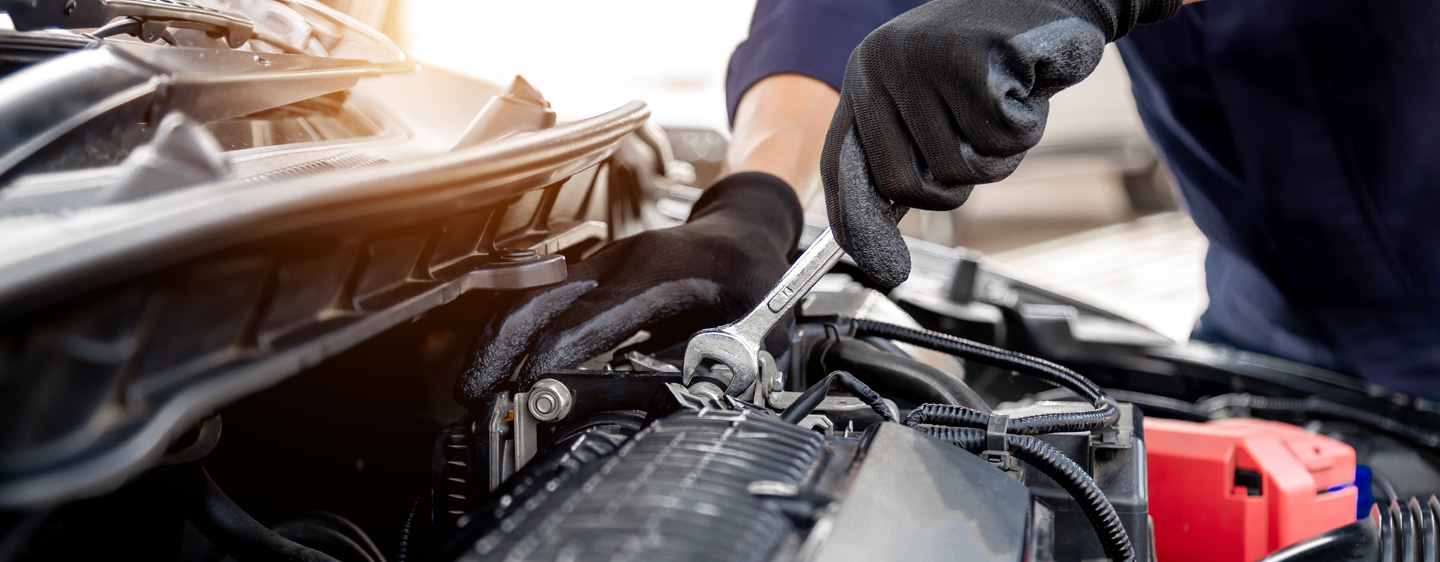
x: 1116, y: 18
x: 1156, y: 11
x: 780, y: 126
x: 753, y: 198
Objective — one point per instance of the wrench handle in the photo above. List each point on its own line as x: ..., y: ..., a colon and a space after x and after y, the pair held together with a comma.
x: 822, y: 254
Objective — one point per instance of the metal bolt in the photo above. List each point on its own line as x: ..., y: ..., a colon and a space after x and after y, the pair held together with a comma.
x: 722, y: 371
x: 518, y: 254
x: 549, y: 400
x: 544, y: 404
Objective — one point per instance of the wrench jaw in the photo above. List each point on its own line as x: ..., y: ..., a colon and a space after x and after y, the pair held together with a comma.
x: 737, y: 344
x: 720, y: 346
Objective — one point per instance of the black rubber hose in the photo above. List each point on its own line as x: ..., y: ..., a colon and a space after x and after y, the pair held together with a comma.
x: 332, y: 534
x: 813, y: 396
x: 989, y: 355
x: 906, y: 375
x: 334, y: 542
x: 1315, y: 406
x: 1063, y: 471
x: 228, y: 526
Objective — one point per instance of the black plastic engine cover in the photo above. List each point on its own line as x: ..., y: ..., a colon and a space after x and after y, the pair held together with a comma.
x: 679, y: 490
x: 741, y: 485
x: 1115, y: 458
x: 914, y: 497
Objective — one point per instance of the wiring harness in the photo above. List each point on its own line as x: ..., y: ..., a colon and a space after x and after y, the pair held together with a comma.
x: 983, y: 432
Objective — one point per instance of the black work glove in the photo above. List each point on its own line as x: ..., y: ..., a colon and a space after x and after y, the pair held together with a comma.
x: 671, y: 282
x: 948, y: 95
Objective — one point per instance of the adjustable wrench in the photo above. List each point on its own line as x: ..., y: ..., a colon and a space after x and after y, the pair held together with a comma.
x: 737, y: 344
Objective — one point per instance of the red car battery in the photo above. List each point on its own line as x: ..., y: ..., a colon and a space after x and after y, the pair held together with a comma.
x: 1237, y: 490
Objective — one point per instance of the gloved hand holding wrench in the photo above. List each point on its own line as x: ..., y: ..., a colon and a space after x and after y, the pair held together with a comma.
x: 737, y: 344
x: 945, y: 96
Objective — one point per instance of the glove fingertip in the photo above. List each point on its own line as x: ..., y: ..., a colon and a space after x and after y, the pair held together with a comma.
x: 865, y: 223
x: 506, y: 340
x: 580, y: 335
x: 889, y: 266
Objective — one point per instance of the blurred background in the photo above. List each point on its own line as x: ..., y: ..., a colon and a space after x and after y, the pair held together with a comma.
x: 1090, y: 213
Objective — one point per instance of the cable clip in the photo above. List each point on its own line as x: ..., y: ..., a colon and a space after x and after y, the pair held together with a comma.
x: 997, y: 444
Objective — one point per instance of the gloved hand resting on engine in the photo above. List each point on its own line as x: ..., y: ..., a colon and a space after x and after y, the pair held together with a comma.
x: 948, y: 95
x: 670, y: 282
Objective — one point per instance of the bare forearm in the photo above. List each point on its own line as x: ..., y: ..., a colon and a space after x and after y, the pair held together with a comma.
x: 780, y: 126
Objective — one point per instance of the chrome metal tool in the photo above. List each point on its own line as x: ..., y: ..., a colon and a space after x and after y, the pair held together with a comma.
x: 737, y: 344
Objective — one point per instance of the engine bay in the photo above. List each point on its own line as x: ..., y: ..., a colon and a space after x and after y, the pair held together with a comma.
x: 872, y: 438
x: 265, y: 363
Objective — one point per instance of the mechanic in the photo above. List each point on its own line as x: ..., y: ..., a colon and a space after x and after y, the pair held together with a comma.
x: 1299, y: 132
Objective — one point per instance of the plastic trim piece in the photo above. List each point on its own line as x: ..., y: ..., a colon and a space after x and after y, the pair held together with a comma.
x: 44, y: 259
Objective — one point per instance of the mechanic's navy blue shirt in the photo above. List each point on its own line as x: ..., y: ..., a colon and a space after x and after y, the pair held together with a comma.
x: 1305, y: 137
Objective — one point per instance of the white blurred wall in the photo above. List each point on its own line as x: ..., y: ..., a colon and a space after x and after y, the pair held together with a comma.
x: 588, y: 56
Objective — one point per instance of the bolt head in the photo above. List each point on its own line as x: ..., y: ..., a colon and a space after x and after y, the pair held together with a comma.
x: 544, y: 404
x: 518, y: 254
x: 549, y: 400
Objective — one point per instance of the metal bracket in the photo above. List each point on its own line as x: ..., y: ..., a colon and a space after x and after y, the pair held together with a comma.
x: 525, y: 440
x: 771, y: 379
x: 502, y: 447
x: 817, y: 422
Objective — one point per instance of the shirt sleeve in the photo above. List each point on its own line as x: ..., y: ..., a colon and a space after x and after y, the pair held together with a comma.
x: 809, y: 37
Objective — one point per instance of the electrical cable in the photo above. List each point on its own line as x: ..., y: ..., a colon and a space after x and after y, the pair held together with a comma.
x: 989, y: 355
x: 1154, y: 405
x: 1063, y: 471
x: 1315, y: 406
x: 1104, y: 414
x: 1061, y: 422
x: 910, y: 377
x: 813, y: 396
x: 1160, y: 406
